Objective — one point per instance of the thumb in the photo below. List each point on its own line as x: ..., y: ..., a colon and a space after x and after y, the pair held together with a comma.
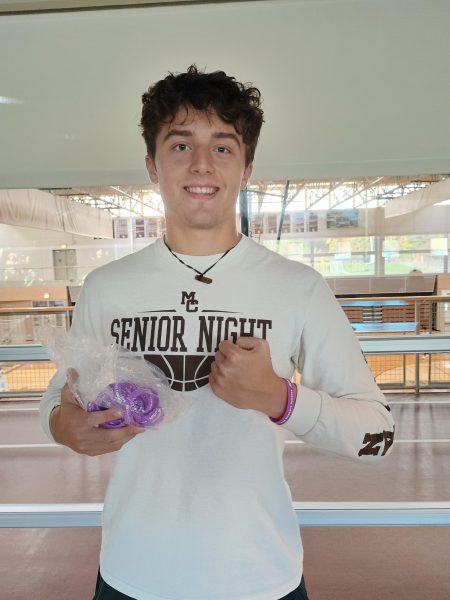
x: 71, y: 376
x: 247, y: 342
x: 71, y: 385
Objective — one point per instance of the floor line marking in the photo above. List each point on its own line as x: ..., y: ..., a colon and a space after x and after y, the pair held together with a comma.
x: 19, y: 409
x: 418, y: 402
x: 425, y: 441
x: 390, y: 402
x: 420, y: 441
x: 23, y: 446
x: 20, y: 446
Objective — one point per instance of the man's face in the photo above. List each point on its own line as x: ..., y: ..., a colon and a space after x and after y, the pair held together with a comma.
x: 200, y: 167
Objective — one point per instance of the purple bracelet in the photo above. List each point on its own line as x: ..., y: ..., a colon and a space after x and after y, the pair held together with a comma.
x: 290, y: 404
x: 139, y: 405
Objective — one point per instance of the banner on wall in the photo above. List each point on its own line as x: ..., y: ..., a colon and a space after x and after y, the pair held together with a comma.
x: 431, y: 194
x: 42, y: 210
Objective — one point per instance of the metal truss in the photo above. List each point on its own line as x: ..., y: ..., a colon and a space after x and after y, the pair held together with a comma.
x: 141, y: 201
x: 347, y: 193
x: 119, y: 201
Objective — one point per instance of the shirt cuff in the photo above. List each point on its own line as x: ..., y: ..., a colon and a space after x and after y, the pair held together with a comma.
x: 306, y: 412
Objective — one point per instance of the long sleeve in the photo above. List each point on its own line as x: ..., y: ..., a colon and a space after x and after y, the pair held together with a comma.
x: 339, y: 406
x: 82, y: 324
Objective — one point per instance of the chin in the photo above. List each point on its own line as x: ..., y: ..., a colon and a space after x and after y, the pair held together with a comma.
x: 203, y: 225
x: 204, y: 221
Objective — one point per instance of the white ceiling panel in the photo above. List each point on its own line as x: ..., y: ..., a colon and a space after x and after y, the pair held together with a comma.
x: 350, y: 87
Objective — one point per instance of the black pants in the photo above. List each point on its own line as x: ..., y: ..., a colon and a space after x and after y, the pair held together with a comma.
x: 105, y: 592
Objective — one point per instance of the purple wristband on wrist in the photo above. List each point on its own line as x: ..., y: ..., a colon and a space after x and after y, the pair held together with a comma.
x: 290, y: 404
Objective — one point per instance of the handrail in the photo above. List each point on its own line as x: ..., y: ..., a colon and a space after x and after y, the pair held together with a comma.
x: 23, y: 353
x: 318, y: 514
x: 44, y: 310
x: 405, y: 344
x: 394, y: 297
x: 392, y: 344
x: 37, y: 310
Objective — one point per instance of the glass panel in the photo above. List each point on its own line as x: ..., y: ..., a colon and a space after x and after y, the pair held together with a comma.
x: 412, y: 242
x: 332, y: 256
x: 344, y: 245
x: 295, y: 249
x: 403, y: 263
x: 355, y: 264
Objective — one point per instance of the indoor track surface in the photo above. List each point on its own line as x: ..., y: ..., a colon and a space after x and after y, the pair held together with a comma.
x: 341, y: 563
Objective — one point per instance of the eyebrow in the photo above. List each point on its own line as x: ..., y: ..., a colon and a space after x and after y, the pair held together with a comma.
x: 220, y: 135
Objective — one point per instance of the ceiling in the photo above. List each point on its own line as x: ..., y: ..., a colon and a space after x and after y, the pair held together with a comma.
x: 266, y: 196
x: 353, y: 90
x: 25, y: 6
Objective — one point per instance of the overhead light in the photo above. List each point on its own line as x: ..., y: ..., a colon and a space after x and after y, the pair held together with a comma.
x: 9, y: 100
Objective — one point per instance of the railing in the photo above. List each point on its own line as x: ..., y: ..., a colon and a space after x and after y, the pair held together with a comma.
x: 308, y: 513
x: 431, y: 313
x: 311, y: 514
x: 23, y: 328
x: 389, y: 316
x: 24, y: 325
x: 25, y: 369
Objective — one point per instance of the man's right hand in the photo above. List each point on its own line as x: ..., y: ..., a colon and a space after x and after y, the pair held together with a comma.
x: 72, y: 426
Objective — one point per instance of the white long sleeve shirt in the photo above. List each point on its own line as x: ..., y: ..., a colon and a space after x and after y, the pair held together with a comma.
x: 199, y: 509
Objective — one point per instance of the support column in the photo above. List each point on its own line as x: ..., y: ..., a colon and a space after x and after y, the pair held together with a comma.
x: 244, y: 211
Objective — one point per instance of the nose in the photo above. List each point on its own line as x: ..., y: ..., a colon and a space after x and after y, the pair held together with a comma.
x: 202, y: 160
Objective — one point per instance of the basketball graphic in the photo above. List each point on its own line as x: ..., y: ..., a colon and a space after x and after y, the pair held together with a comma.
x: 186, y: 372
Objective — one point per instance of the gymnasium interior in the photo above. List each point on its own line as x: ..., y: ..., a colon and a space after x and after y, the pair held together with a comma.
x: 351, y: 177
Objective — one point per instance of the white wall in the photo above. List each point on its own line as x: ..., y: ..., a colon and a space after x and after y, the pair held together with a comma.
x: 26, y: 255
x: 351, y: 87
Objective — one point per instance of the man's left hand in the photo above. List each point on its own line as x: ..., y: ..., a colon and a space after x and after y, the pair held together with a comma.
x: 242, y: 375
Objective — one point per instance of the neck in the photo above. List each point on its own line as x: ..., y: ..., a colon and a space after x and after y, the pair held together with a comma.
x: 201, y: 243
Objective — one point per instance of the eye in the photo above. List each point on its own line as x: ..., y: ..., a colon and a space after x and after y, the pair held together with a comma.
x: 181, y: 147
x: 222, y: 150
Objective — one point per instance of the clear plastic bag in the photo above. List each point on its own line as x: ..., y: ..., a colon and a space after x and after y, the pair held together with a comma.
x: 110, y: 377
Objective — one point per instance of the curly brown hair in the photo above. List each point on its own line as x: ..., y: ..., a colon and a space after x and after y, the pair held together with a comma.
x: 234, y: 102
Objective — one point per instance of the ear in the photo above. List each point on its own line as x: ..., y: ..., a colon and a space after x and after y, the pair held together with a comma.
x: 151, y: 168
x: 246, y: 176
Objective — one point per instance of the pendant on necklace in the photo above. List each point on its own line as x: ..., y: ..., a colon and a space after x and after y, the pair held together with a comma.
x: 202, y: 278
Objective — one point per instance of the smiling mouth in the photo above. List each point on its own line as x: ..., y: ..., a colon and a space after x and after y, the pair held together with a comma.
x: 201, y: 190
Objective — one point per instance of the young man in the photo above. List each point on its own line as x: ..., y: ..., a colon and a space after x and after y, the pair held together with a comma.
x: 199, y: 509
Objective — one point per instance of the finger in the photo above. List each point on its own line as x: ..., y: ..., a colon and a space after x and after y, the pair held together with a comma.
x: 72, y: 382
x: 68, y: 396
x: 223, y: 367
x: 213, y: 382
x: 104, y: 441
x: 96, y: 418
x: 66, y: 393
x: 118, y: 437
x: 219, y: 359
x: 71, y: 375
x: 226, y: 347
x: 113, y: 414
x: 217, y: 377
x: 248, y: 343
x: 214, y: 369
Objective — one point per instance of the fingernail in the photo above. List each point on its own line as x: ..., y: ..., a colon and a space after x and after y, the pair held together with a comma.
x: 117, y: 414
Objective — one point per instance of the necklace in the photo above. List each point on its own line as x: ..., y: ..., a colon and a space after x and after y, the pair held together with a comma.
x: 200, y: 275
